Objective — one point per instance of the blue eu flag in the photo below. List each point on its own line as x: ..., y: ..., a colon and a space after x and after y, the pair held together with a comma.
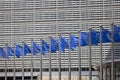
x: 73, y: 42
x: 26, y: 49
x: 116, y: 33
x: 36, y: 48
x: 106, y: 36
x: 45, y: 47
x: 95, y: 37
x: 64, y: 44
x: 2, y: 53
x: 84, y: 38
x: 18, y: 51
x: 54, y: 45
x: 9, y: 51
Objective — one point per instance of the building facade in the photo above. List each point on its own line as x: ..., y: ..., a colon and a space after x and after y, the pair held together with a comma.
x: 24, y: 20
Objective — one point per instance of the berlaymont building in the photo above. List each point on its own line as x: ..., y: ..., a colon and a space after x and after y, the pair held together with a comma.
x: 26, y: 20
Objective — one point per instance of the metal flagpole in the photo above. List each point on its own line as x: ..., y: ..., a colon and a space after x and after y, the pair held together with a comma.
x: 101, y: 62
x: 41, y: 60
x: 79, y: 48
x: 101, y: 57
x: 79, y: 52
x: 90, y: 63
x: 59, y: 57
x: 33, y: 38
x: 23, y: 60
x: 50, y: 74
x: 69, y: 77
x: 112, y: 52
x: 31, y: 59
x: 6, y: 62
x: 14, y: 72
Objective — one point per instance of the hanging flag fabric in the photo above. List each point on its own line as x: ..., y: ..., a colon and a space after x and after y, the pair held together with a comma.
x: 106, y: 36
x: 73, y: 42
x: 54, y: 45
x: 18, y: 51
x: 27, y: 49
x: 116, y: 33
x: 84, y: 38
x: 2, y: 53
x: 64, y: 44
x: 36, y: 48
x: 9, y: 51
x: 95, y: 37
x: 45, y: 47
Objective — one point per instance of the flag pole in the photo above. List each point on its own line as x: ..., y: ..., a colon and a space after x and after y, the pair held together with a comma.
x: 14, y: 72
x: 112, y: 54
x: 79, y: 52
x: 23, y: 60
x: 59, y: 57
x: 90, y: 63
x: 41, y: 59
x: 6, y: 62
x: 32, y: 60
x: 101, y: 62
x: 69, y: 77
x: 50, y: 74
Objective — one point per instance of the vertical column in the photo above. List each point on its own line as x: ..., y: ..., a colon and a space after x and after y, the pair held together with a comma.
x: 6, y: 62
x: 112, y: 52
x: 101, y: 57
x: 41, y: 59
x: 50, y: 74
x: 34, y: 9
x: 90, y: 62
x: 14, y: 65
x: 31, y: 59
x: 56, y: 22
x: 101, y: 64
x: 23, y: 60
x: 59, y: 57
x: 79, y: 52
x: 69, y: 77
x: 11, y: 37
x: 79, y: 47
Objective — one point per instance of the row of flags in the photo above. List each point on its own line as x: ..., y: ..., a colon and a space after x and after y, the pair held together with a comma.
x: 73, y: 42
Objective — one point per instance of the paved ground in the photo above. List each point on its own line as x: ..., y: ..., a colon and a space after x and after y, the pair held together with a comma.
x: 66, y: 78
